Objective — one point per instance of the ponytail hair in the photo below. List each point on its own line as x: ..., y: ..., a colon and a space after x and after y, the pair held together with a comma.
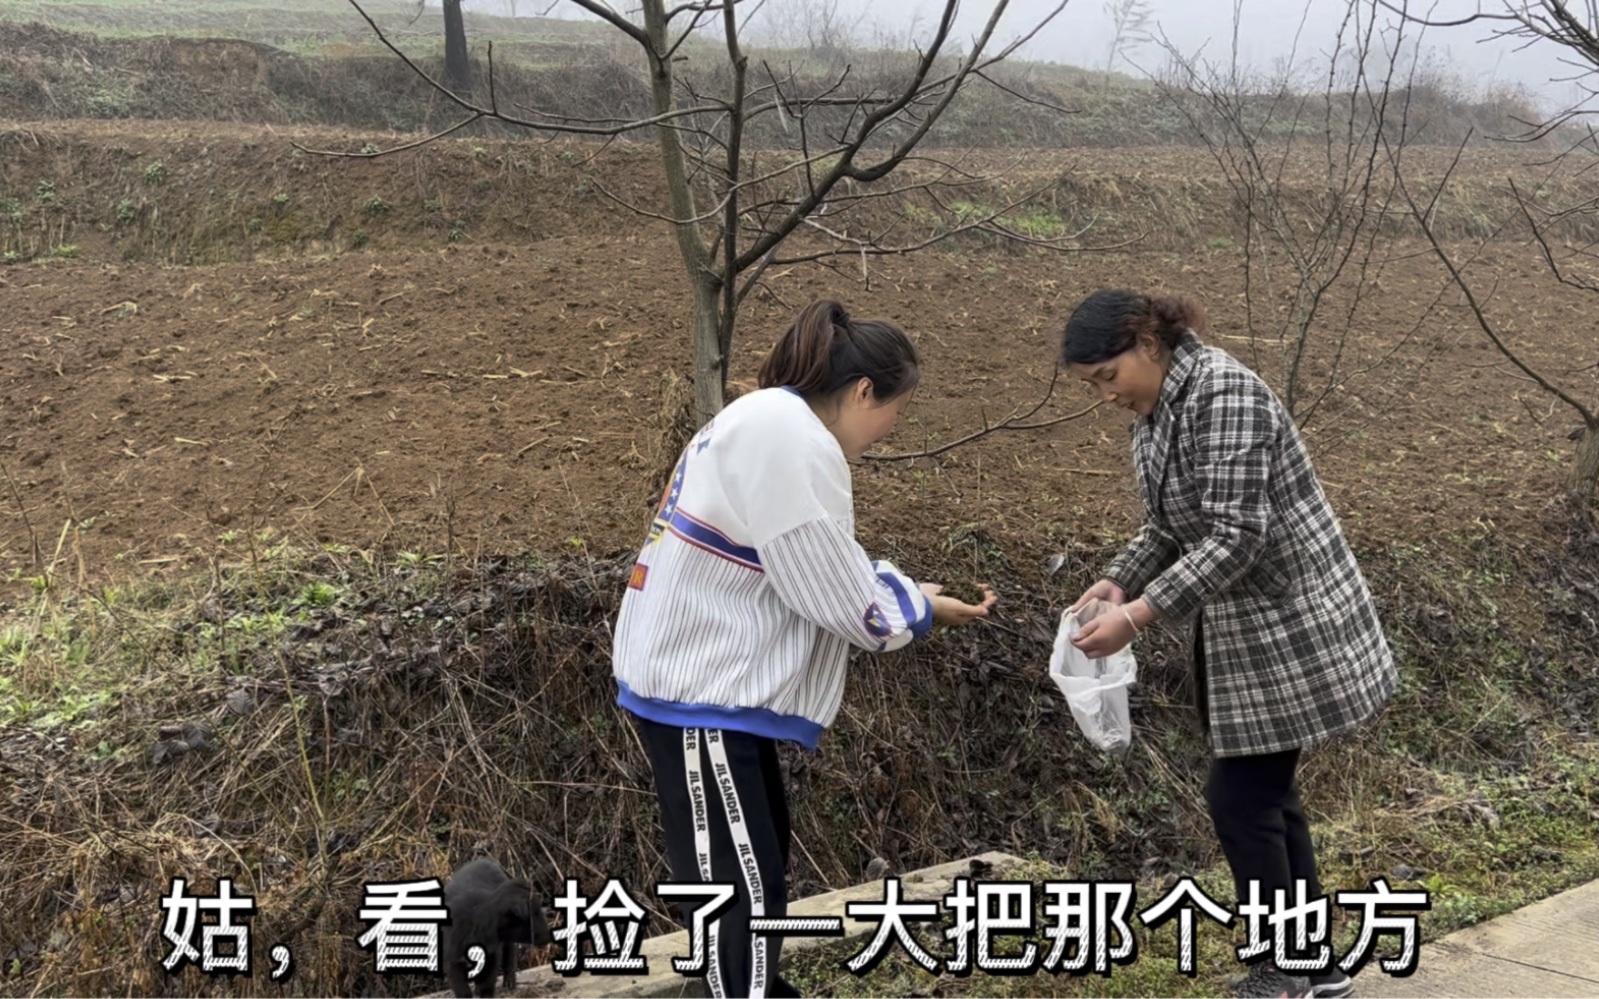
x: 824, y: 351
x: 1109, y: 322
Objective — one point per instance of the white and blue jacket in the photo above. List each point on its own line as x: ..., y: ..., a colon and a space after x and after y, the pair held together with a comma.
x: 751, y: 588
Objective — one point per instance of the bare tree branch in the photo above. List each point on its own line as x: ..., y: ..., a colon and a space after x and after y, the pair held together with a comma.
x: 1322, y: 232
x: 984, y: 222
x: 622, y: 24
x: 736, y: 121
x: 1483, y: 322
x: 696, y: 8
x: 1527, y: 22
x: 1036, y: 102
x: 843, y: 168
x: 671, y: 52
x: 1404, y: 12
x: 489, y: 112
x: 704, y: 216
x: 1543, y: 243
x: 1011, y: 422
x: 846, y: 166
x: 396, y: 149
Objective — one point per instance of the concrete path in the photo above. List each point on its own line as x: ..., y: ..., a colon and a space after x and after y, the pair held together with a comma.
x: 1549, y: 948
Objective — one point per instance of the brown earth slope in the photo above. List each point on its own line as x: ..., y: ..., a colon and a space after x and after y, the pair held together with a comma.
x: 501, y: 396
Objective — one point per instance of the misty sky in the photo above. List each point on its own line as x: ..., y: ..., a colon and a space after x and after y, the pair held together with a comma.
x: 1081, y: 34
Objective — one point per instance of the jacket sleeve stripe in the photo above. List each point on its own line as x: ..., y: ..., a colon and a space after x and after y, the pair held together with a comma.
x: 704, y: 536
x: 920, y: 622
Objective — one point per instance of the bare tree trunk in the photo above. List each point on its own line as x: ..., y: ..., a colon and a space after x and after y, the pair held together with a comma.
x: 457, y: 68
x: 726, y: 250
x: 710, y: 367
x: 1585, y: 474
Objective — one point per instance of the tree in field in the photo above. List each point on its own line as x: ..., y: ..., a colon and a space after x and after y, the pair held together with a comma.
x: 1312, y: 165
x: 457, y: 67
x: 1129, y: 20
x: 1562, y: 232
x: 732, y: 207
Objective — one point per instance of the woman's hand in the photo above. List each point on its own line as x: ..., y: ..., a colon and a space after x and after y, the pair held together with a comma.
x: 948, y: 610
x: 1104, y: 590
x: 1113, y: 631
x: 1105, y: 635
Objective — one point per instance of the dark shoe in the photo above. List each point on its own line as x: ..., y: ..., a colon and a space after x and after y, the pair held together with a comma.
x: 1264, y: 981
x: 1332, y: 984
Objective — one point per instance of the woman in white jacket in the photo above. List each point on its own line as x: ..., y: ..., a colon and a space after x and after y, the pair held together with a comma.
x: 736, y: 626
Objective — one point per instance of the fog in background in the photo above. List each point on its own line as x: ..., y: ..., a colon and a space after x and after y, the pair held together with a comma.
x: 1269, y: 33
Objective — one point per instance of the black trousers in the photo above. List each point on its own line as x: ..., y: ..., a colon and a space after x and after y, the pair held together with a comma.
x: 1257, y: 812
x: 1254, y: 803
x: 725, y: 814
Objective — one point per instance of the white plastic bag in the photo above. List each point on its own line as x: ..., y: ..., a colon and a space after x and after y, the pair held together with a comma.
x: 1095, y: 689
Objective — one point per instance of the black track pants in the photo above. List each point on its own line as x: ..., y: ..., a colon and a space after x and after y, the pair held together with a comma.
x: 725, y: 814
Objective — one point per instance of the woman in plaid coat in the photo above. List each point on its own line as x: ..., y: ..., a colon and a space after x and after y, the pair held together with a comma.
x: 1241, y: 547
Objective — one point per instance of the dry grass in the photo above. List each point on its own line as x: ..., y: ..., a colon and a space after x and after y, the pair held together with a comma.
x: 190, y: 194
x: 361, y: 718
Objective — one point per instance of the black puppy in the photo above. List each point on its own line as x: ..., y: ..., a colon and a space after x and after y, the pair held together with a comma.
x: 490, y: 910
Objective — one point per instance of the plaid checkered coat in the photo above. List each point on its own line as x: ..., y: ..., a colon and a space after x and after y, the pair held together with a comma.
x: 1237, y: 526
